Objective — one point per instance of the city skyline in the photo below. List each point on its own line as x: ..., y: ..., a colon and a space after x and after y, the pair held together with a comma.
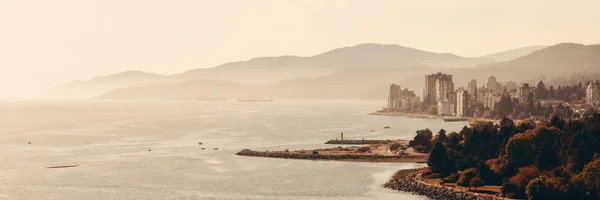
x: 504, y: 97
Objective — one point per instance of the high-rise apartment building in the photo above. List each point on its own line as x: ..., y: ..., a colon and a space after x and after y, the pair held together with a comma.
x: 493, y: 85
x: 393, y: 95
x: 591, y: 93
x: 472, y: 90
x: 437, y: 86
x: 462, y: 103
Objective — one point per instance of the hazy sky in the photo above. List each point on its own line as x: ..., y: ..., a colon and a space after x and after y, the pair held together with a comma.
x: 44, y: 43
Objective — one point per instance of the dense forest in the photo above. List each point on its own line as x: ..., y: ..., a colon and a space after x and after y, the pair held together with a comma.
x: 553, y: 159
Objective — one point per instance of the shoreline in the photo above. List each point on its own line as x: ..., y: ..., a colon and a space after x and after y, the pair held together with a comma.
x: 428, y: 116
x: 404, y: 180
x: 379, y: 152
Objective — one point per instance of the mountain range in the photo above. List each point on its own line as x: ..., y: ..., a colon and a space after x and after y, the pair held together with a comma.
x: 361, y: 71
x: 271, y: 70
x: 514, y: 53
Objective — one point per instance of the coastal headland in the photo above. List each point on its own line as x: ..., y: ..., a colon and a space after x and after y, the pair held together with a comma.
x: 415, y: 181
x: 409, y: 180
x: 375, y: 151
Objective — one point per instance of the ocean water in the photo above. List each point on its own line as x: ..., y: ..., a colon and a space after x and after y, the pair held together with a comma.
x: 150, y: 150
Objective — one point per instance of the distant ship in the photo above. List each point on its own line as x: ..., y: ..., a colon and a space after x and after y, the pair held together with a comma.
x: 256, y: 100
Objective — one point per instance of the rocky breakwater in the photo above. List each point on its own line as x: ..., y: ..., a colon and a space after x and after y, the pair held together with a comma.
x: 405, y: 182
x: 358, y: 142
x: 323, y: 155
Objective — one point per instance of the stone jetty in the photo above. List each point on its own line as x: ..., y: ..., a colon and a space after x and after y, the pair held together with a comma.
x: 359, y: 142
x: 316, y: 155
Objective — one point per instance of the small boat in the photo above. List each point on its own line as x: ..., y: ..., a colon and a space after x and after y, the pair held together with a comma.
x: 203, y: 148
x: 372, y: 131
x: 216, y: 148
x: 386, y: 127
x: 200, y: 143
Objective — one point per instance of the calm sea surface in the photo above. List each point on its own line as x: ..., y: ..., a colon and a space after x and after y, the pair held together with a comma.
x: 149, y: 149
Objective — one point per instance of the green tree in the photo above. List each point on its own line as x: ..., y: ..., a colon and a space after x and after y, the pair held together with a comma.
x: 438, y: 160
x: 466, y: 176
x: 507, y: 130
x: 441, y: 137
x: 453, y: 140
x: 542, y: 188
x: 589, y: 178
x: 519, y: 151
x: 505, y: 106
x: 521, y: 180
x: 500, y: 166
x: 530, y: 109
x: 540, y: 91
x: 510, y: 190
x: 551, y: 93
x: 422, y: 141
x: 546, y: 140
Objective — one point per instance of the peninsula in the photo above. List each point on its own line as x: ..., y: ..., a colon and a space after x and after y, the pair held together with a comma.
x: 396, y: 151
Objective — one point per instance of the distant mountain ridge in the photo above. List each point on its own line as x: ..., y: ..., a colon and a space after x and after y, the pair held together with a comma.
x: 127, y: 75
x: 514, y: 53
x: 102, y: 84
x: 372, y: 83
x: 367, y: 55
x: 390, y: 55
x: 271, y: 70
x: 558, y: 60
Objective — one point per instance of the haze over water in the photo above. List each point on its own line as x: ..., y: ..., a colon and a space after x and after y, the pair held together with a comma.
x: 110, y: 141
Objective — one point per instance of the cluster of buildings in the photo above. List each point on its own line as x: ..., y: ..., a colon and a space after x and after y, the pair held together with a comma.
x: 439, y: 91
x: 401, y: 99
